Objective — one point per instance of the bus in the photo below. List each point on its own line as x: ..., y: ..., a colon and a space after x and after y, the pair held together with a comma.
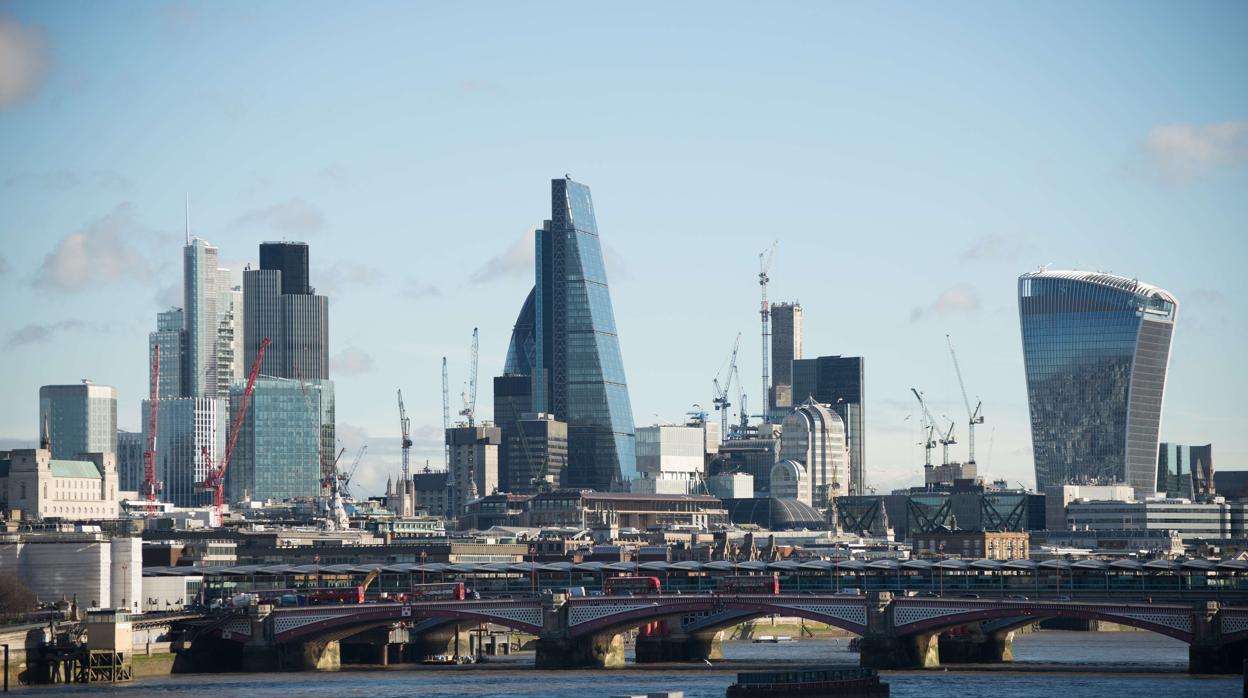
x: 311, y: 597
x: 631, y: 586
x: 751, y: 584
x: 448, y: 591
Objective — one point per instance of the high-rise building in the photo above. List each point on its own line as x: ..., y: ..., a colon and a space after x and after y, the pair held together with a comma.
x: 201, y: 289
x: 1185, y: 471
x: 840, y: 383
x: 786, y: 347
x: 80, y: 418
x: 513, y: 391
x: 230, y: 330
x: 1096, y: 348
x: 185, y: 427
x: 130, y: 448
x: 170, y: 336
x: 578, y: 372
x: 535, y: 450
x: 814, y: 437
x: 671, y: 458
x: 281, y: 440
x: 473, y: 468
x: 297, y: 325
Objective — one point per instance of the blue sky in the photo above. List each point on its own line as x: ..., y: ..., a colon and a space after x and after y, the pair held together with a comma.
x: 911, y: 159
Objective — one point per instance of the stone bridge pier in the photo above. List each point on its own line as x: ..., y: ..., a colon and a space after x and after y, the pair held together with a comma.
x: 557, y: 648
x: 667, y: 641
x: 1219, y: 644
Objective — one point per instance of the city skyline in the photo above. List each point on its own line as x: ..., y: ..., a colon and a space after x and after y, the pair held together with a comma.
x: 694, y: 180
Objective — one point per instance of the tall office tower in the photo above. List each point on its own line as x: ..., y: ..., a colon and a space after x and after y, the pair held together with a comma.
x: 814, y: 436
x: 170, y: 336
x: 130, y: 447
x: 513, y: 391
x: 840, y: 383
x: 229, y: 335
x: 296, y: 323
x: 786, y: 347
x: 80, y: 418
x: 1096, y: 348
x: 536, y: 453
x: 201, y: 293
x: 578, y: 373
x: 473, y: 468
x: 281, y: 442
x: 185, y: 427
x: 1185, y: 471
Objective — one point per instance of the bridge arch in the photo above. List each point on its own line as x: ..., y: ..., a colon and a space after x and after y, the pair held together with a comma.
x: 1171, y: 621
x: 331, y: 623
x: 603, y: 618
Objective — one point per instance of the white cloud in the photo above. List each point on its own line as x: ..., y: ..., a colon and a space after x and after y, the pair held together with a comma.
x: 416, y: 289
x: 344, y: 273
x: 23, y: 61
x: 993, y: 247
x: 516, y: 261
x: 1183, y: 152
x: 959, y: 298
x: 351, y: 362
x: 99, y: 253
x: 61, y: 180
x: 295, y: 217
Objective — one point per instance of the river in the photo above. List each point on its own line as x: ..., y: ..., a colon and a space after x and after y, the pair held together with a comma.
x: 1047, y: 664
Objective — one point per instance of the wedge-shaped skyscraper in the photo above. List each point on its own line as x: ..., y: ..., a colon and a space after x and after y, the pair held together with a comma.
x: 1096, y: 348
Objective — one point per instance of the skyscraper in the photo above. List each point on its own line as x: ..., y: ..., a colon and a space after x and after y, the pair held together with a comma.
x: 814, y: 437
x: 786, y: 346
x: 170, y: 336
x: 280, y: 452
x: 578, y: 373
x: 81, y: 418
x: 1096, y: 348
x: 297, y: 324
x: 201, y: 287
x: 839, y: 382
x: 185, y: 427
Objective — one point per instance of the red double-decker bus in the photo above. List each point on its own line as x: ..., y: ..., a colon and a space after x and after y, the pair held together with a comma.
x: 334, y: 595
x: 631, y: 586
x: 448, y: 591
x: 750, y: 584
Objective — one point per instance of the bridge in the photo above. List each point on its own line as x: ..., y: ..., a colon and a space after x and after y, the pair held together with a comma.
x: 897, y: 632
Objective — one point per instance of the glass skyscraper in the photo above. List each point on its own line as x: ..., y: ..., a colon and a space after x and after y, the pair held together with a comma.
x: 1096, y: 347
x: 281, y: 441
x: 839, y: 382
x: 81, y: 418
x: 577, y: 371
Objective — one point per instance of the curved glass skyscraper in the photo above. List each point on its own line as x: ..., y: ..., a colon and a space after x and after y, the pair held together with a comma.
x: 1096, y: 348
x: 564, y: 357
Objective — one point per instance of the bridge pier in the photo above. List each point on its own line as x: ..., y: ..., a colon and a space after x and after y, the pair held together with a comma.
x: 315, y: 655
x: 991, y: 648
x: 680, y: 647
x: 604, y: 651
x: 911, y: 652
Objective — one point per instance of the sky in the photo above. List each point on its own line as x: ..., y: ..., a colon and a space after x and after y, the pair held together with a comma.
x: 909, y: 159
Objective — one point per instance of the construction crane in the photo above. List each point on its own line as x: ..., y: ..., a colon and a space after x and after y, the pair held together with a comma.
x: 329, y: 482
x: 721, y: 391
x: 346, y: 476
x: 764, y: 264
x: 446, y: 418
x: 929, y: 425
x: 405, y: 425
x: 215, y: 478
x: 150, y: 487
x: 974, y: 416
x: 947, y: 440
x: 470, y: 396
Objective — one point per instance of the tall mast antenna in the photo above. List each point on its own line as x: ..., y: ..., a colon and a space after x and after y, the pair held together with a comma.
x: 188, y: 218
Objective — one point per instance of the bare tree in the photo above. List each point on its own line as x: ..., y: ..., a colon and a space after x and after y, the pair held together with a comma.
x: 15, y: 598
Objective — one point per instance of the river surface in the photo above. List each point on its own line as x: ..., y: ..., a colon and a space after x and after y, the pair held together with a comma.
x: 1047, y: 664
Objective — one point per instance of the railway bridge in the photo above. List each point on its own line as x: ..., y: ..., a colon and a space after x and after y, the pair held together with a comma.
x: 897, y: 632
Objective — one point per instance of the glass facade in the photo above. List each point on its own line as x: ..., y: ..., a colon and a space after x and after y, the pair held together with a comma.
x: 579, y: 373
x: 171, y: 338
x: 838, y: 381
x: 186, y: 426
x: 1095, y: 348
x: 279, y: 450
x: 201, y: 293
x: 81, y: 418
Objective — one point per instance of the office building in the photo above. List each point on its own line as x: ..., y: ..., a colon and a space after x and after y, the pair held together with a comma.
x: 170, y: 336
x: 786, y: 347
x: 840, y: 383
x: 583, y: 509
x: 205, y: 288
x: 1058, y: 497
x: 754, y: 455
x: 42, y: 487
x: 185, y: 427
x: 671, y: 458
x: 1096, y: 348
x: 578, y: 372
x: 1192, y: 520
x: 814, y: 437
x: 79, y: 418
x: 473, y: 470
x: 130, y: 448
x: 1185, y: 471
x: 281, y: 440
x: 280, y: 305
x: 975, y: 545
x: 535, y: 450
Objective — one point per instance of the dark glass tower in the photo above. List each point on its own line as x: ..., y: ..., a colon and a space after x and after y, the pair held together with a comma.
x: 578, y: 374
x: 1096, y: 348
x: 838, y: 381
x: 290, y: 258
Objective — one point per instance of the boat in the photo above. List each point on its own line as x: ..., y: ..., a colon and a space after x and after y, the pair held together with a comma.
x: 774, y: 639
x: 840, y: 680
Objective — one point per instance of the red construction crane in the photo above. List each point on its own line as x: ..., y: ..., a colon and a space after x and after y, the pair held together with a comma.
x: 214, y: 481
x: 149, y: 456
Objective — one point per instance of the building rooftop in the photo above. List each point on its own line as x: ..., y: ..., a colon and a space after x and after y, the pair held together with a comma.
x: 1113, y: 281
x: 74, y: 468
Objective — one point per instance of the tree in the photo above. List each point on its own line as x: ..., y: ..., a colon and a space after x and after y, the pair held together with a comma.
x: 15, y: 598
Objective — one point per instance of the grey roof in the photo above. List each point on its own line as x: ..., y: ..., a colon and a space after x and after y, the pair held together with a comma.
x: 1119, y: 283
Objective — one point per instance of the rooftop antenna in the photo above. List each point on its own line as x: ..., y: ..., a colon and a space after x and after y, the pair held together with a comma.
x: 188, y: 218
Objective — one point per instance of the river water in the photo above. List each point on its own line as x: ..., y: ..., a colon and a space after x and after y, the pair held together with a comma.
x: 1047, y: 664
